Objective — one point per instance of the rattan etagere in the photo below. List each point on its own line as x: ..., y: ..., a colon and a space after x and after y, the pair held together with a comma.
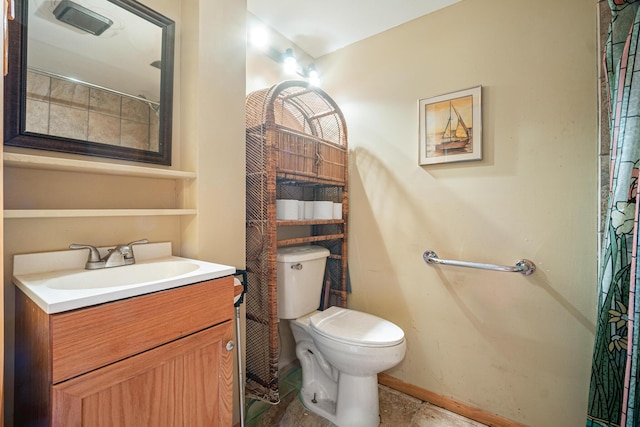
x: 296, y: 149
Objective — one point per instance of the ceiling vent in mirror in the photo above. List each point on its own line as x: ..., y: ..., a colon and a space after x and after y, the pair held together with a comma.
x: 81, y: 17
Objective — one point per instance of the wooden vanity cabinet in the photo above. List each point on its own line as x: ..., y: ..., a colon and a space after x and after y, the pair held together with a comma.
x: 161, y: 359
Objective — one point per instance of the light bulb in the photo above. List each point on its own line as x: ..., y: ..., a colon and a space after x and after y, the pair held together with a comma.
x: 290, y: 63
x: 259, y: 37
x: 314, y: 77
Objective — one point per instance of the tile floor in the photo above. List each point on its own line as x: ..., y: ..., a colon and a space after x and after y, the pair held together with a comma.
x: 396, y: 410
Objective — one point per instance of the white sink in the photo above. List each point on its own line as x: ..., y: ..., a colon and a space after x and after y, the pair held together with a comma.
x: 57, y: 281
x: 114, y: 277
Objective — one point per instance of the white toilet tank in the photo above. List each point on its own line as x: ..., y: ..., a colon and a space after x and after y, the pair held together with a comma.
x: 300, y: 276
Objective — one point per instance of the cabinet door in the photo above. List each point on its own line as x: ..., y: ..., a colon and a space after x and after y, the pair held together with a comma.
x: 187, y: 382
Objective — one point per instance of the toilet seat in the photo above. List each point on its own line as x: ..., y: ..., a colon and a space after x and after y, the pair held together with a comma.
x: 356, y: 328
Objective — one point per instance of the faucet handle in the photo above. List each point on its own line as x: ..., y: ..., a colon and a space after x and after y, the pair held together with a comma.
x: 94, y: 260
x: 94, y: 255
x: 128, y: 254
x: 137, y: 242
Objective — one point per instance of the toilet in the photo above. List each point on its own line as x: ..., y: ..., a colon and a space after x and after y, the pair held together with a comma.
x: 341, y: 351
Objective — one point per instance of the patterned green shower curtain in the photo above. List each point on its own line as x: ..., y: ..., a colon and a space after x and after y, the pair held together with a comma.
x: 615, y: 375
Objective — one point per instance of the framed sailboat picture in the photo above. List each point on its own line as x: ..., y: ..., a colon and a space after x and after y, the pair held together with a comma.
x: 450, y: 127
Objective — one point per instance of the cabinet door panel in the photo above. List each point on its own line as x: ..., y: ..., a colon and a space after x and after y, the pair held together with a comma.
x: 184, y: 383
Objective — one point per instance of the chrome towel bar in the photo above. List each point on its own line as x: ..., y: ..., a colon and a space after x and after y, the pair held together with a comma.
x: 523, y: 266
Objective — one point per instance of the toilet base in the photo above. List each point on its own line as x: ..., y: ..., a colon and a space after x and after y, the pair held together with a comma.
x: 357, y: 405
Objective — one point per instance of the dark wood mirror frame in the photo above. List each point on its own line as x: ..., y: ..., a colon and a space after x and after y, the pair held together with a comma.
x: 15, y: 95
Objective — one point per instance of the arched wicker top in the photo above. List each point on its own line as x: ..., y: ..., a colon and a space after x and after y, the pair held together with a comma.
x: 297, y: 106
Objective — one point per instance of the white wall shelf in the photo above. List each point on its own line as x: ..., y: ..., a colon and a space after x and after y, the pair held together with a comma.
x: 88, y: 213
x: 29, y: 161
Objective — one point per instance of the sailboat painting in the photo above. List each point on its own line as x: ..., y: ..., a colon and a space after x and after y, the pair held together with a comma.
x: 451, y: 127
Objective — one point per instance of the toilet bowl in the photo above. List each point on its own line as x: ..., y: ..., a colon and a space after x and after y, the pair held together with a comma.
x: 355, y: 342
x: 341, y: 351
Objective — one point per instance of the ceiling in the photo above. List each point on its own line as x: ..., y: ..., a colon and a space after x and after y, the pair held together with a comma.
x: 321, y: 27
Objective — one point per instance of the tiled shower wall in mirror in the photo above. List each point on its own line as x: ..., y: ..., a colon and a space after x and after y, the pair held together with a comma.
x: 65, y: 108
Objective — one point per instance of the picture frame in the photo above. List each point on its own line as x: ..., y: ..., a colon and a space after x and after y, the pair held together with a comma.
x: 450, y: 127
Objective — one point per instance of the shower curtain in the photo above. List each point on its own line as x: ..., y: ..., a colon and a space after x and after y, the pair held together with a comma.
x: 614, y: 395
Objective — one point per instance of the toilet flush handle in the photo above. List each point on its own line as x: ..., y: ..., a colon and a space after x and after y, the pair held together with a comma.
x: 297, y: 266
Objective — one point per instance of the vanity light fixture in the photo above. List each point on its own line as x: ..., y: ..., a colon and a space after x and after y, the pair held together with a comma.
x: 291, y: 66
x: 258, y: 37
x: 82, y: 18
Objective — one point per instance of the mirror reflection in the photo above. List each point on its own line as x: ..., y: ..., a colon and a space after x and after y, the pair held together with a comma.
x: 74, y: 88
x: 98, y: 72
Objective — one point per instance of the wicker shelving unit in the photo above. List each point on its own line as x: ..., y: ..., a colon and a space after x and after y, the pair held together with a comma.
x: 296, y: 149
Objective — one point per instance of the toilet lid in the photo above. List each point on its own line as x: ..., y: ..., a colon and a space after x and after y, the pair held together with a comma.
x: 355, y: 327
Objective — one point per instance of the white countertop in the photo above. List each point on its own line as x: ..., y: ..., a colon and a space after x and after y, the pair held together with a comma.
x: 42, y: 276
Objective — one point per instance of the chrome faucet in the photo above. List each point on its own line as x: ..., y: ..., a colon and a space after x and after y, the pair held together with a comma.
x: 115, y: 257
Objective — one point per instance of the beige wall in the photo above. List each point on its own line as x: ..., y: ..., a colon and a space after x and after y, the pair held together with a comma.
x: 208, y: 137
x: 512, y: 345
x: 213, y: 83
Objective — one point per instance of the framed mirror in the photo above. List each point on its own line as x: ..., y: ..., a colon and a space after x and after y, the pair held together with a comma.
x: 91, y: 77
